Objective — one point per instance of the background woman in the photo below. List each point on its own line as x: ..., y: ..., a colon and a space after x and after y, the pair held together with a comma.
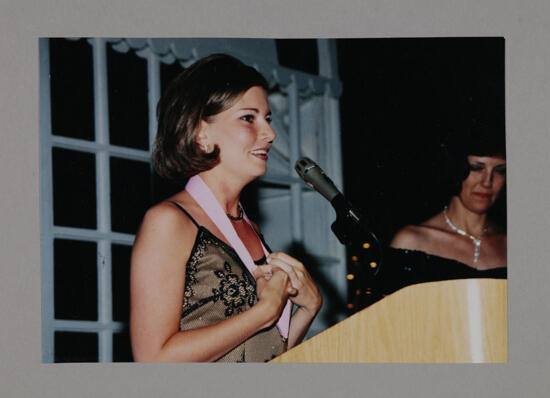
x: 463, y: 231
x: 194, y: 296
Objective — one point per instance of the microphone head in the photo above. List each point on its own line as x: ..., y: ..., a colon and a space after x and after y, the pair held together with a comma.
x: 316, y: 178
x: 303, y: 165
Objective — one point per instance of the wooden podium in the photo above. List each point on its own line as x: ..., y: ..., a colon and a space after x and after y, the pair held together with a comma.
x: 438, y: 322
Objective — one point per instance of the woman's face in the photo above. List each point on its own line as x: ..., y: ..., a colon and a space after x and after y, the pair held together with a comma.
x: 484, y: 183
x: 243, y: 134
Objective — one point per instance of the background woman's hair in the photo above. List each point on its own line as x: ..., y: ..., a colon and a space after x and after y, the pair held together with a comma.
x: 209, y: 86
x: 483, y: 134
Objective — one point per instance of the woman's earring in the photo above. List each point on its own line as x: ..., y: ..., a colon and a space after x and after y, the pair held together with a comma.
x: 205, y: 147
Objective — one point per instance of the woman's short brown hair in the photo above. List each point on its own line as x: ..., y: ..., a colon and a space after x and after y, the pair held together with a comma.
x: 209, y: 86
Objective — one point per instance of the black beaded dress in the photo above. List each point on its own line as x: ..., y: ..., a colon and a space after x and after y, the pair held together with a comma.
x: 404, y: 267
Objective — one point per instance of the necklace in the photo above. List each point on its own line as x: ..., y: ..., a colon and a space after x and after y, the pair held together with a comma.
x: 477, y: 241
x: 239, y: 217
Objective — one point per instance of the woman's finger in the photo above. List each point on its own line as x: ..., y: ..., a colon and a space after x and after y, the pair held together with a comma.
x: 300, y: 275
x: 263, y: 271
x: 288, y: 269
x: 288, y: 259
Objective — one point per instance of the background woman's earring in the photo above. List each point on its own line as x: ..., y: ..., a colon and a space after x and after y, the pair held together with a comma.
x: 205, y: 147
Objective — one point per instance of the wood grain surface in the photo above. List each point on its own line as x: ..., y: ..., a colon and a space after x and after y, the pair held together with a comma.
x: 437, y: 322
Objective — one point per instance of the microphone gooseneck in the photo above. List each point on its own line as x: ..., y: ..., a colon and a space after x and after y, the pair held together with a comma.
x: 350, y: 227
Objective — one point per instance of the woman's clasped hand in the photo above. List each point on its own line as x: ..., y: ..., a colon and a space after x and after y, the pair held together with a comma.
x: 301, y: 289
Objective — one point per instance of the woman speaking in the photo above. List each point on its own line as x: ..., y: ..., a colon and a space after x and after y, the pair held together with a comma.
x: 204, y: 285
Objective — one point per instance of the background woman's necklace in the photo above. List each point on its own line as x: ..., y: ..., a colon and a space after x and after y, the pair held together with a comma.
x: 477, y: 241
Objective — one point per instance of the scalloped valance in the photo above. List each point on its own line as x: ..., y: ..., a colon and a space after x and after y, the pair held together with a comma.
x: 260, y: 53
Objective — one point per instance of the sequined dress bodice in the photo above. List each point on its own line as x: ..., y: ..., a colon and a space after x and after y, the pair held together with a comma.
x: 219, y: 286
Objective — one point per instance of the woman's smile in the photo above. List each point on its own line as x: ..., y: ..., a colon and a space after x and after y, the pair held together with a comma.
x: 260, y: 153
x: 482, y: 195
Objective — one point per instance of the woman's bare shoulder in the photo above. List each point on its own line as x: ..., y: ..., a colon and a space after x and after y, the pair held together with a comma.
x: 165, y: 216
x: 408, y: 237
x: 415, y: 237
x: 165, y: 230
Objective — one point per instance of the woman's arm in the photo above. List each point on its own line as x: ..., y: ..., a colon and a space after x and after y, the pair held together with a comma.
x: 308, y: 299
x: 161, y: 250
x: 299, y: 325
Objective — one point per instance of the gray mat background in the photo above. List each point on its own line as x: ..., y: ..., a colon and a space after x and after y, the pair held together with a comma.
x: 525, y: 25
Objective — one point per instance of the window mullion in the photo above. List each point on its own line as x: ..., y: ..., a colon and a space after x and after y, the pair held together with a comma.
x: 46, y: 205
x: 101, y: 103
x: 334, y: 165
x: 153, y: 95
x: 295, y: 152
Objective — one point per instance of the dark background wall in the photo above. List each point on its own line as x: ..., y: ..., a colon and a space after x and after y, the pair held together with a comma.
x: 403, y: 101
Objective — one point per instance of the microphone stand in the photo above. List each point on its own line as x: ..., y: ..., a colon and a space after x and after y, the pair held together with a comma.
x: 353, y: 231
x: 350, y: 227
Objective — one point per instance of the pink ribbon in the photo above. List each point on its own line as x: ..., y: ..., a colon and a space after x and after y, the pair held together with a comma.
x: 203, y: 195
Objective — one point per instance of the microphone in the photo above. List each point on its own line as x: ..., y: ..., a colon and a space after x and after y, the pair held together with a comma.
x: 316, y: 178
x: 349, y: 227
